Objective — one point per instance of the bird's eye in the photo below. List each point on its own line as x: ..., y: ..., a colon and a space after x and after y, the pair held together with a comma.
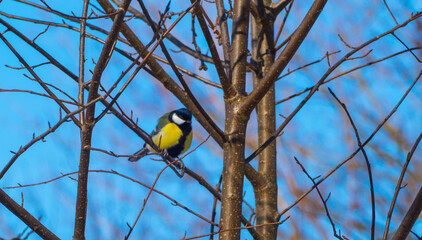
x: 176, y: 119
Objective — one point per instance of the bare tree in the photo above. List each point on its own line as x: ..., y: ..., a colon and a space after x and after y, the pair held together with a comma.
x: 311, y: 114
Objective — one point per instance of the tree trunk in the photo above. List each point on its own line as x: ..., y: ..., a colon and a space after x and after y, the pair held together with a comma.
x: 262, y: 29
x: 235, y: 127
x: 233, y: 174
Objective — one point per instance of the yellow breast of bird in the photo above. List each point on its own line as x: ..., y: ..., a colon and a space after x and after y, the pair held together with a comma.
x: 168, y: 136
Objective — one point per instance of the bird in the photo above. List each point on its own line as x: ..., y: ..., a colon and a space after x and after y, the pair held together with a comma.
x: 173, y: 134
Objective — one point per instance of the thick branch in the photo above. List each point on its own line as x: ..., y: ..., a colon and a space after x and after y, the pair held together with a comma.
x: 224, y: 35
x: 262, y: 34
x: 410, y: 218
x: 404, y: 226
x: 26, y: 217
x: 277, y: 7
x: 233, y: 176
x: 235, y: 128
x: 239, y: 48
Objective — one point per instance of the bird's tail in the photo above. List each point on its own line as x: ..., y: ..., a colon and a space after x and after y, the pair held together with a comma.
x: 139, y: 154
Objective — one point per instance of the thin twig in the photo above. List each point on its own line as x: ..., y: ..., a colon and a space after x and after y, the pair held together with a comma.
x: 147, y: 198
x: 81, y: 79
x: 307, y: 65
x: 405, y: 45
x: 368, y: 165
x: 39, y: 94
x: 224, y: 37
x: 214, y: 206
x: 49, y: 9
x: 284, y: 21
x: 324, y: 201
x: 41, y: 33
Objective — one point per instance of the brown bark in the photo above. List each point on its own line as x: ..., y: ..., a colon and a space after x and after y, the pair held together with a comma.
x: 263, y: 58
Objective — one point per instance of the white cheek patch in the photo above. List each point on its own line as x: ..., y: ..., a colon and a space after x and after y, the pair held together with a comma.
x: 176, y: 119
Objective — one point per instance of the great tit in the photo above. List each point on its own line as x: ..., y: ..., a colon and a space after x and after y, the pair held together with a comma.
x: 173, y: 134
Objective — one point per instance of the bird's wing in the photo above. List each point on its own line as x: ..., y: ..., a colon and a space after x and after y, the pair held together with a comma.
x: 164, y: 120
